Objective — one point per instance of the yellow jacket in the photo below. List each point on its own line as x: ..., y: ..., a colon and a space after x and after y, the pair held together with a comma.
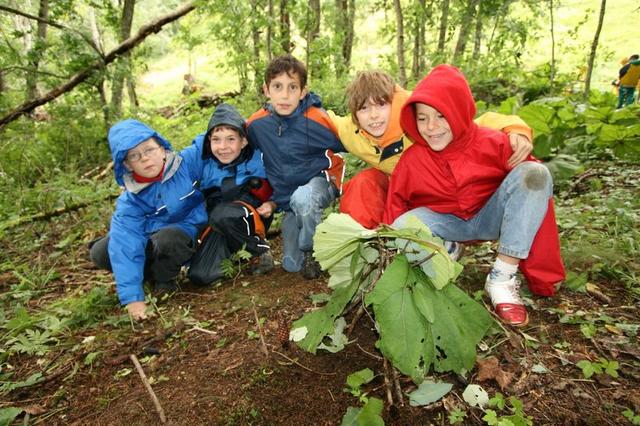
x: 384, y: 153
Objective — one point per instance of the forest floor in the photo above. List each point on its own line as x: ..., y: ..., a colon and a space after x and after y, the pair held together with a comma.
x: 215, y: 355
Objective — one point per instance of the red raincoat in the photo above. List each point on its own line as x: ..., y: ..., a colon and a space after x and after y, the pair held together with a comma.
x: 461, y: 178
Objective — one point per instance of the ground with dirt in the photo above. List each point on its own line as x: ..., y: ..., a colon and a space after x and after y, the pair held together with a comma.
x: 217, y: 355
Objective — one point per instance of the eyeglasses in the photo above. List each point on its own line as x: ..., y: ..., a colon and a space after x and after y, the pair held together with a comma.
x: 132, y: 157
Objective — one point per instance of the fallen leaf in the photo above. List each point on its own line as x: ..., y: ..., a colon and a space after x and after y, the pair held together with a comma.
x: 34, y: 410
x: 489, y: 368
x: 475, y: 396
x: 614, y: 329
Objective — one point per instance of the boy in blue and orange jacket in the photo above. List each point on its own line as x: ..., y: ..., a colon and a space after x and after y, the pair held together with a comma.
x: 298, y: 142
x: 233, y: 181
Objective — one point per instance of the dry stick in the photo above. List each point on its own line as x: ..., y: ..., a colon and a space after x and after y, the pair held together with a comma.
x: 143, y: 377
x: 300, y: 365
x: 387, y: 382
x: 369, y: 353
x: 396, y: 384
x: 265, y: 350
x: 203, y: 330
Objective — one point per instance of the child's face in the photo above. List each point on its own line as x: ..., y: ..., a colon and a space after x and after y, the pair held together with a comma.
x: 433, y: 127
x: 226, y: 144
x: 146, y: 159
x: 285, y: 93
x: 374, y: 117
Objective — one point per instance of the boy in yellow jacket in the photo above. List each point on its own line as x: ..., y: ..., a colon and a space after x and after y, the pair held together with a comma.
x: 372, y: 133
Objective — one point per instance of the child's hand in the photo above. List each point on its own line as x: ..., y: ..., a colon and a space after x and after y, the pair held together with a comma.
x: 521, y: 146
x: 266, y: 209
x: 136, y: 310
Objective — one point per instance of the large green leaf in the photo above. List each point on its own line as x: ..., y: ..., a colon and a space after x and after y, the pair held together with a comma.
x: 336, y: 238
x: 401, y: 327
x: 320, y: 323
x: 460, y: 324
x: 538, y: 117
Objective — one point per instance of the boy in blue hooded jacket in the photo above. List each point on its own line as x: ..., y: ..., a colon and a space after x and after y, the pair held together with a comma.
x: 156, y: 218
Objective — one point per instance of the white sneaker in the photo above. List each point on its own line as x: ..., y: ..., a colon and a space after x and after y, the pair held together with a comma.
x: 506, y: 300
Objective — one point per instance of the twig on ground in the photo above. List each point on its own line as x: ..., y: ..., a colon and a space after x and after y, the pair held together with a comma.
x: 396, y: 385
x: 387, y: 382
x: 300, y: 365
x: 154, y: 398
x: 379, y: 358
x: 355, y: 319
x: 264, y: 348
x: 203, y: 330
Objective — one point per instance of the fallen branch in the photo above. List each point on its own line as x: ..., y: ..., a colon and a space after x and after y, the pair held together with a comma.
x: 300, y: 365
x: 387, y: 382
x: 48, y: 215
x: 81, y: 76
x: 154, y: 398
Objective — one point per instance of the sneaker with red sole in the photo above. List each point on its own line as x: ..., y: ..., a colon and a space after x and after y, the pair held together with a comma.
x: 505, y: 298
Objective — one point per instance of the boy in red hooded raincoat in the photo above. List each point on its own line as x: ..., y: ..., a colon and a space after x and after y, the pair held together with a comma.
x: 456, y: 179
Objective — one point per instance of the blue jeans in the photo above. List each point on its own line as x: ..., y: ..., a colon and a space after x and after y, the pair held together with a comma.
x: 625, y: 96
x: 512, y: 215
x: 298, y: 226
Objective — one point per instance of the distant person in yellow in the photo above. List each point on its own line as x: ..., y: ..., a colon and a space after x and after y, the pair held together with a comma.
x: 629, y: 76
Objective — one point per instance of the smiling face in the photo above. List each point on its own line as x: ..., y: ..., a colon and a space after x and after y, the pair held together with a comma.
x: 146, y: 159
x: 433, y: 127
x: 226, y: 144
x: 285, y: 92
x: 374, y: 117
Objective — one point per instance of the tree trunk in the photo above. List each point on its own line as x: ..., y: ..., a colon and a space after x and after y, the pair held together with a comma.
x: 442, y: 37
x: 402, y: 72
x: 477, y: 39
x: 96, y: 37
x: 269, y: 31
x: 285, y: 26
x: 131, y: 92
x: 592, y: 55
x: 123, y: 67
x: 418, y: 40
x: 464, y: 31
x: 347, y: 46
x: 36, y: 52
x: 255, y: 40
x: 82, y: 75
x: 552, y: 73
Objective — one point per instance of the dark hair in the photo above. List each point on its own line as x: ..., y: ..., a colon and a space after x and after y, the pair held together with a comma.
x: 288, y: 64
x: 634, y: 57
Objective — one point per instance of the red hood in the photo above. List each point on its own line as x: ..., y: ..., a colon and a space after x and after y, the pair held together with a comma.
x: 445, y: 89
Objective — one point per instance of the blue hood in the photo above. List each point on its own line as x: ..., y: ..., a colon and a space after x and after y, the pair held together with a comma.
x: 126, y: 135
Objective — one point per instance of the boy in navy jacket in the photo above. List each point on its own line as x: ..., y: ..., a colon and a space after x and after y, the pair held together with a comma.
x: 299, y: 142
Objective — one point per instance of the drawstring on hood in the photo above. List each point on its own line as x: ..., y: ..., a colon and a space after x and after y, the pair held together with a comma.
x: 445, y: 89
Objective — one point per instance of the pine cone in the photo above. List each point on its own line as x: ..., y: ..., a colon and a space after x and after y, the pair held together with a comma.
x: 283, y: 331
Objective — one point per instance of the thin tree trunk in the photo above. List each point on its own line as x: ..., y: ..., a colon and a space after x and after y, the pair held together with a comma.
x: 418, y: 40
x: 442, y: 37
x: 340, y: 34
x: 285, y: 27
x: 464, y: 31
x: 553, y: 45
x: 96, y: 37
x: 592, y: 55
x: 477, y: 39
x: 255, y: 40
x: 402, y: 71
x: 312, y: 29
x: 269, y: 30
x: 123, y: 67
x: 81, y: 76
x: 36, y: 53
x: 347, y: 46
x: 131, y: 92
